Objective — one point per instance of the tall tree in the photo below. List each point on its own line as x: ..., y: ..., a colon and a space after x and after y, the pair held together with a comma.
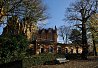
x: 34, y: 9
x: 11, y: 11
x: 81, y: 11
x: 93, y: 24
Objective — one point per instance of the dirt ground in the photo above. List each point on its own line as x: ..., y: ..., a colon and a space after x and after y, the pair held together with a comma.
x: 92, y: 62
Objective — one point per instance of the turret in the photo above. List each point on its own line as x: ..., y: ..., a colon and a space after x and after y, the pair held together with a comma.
x: 55, y: 28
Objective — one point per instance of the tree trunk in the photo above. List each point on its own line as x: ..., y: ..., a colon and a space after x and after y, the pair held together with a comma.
x: 84, y: 41
x: 94, y: 47
x: 63, y: 39
x: 84, y: 38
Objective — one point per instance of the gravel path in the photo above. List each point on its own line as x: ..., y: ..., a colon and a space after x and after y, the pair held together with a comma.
x: 92, y: 62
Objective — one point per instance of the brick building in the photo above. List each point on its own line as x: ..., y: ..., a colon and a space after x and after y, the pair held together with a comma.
x: 68, y: 48
x: 46, y: 40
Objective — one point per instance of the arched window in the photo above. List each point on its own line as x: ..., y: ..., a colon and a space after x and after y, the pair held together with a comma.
x: 66, y: 50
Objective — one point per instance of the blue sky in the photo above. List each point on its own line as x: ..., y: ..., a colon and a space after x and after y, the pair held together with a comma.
x: 56, y: 10
x: 1, y: 30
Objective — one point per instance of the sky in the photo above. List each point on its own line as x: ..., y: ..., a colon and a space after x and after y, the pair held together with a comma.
x: 56, y: 10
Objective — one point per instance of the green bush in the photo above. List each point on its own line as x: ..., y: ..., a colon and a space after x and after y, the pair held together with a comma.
x: 12, y: 48
x: 37, y: 59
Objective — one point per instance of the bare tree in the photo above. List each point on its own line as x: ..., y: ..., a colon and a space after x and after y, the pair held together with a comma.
x: 64, y: 33
x: 81, y: 11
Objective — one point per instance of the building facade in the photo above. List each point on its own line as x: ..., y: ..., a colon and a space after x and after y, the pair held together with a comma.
x: 46, y: 41
x: 68, y: 48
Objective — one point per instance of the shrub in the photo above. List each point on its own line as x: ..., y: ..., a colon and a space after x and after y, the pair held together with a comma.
x: 37, y: 59
x: 12, y: 48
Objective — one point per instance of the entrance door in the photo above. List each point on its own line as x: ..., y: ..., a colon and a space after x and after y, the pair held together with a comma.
x: 42, y: 50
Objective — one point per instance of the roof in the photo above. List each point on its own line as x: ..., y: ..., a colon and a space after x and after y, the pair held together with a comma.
x: 46, y: 30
